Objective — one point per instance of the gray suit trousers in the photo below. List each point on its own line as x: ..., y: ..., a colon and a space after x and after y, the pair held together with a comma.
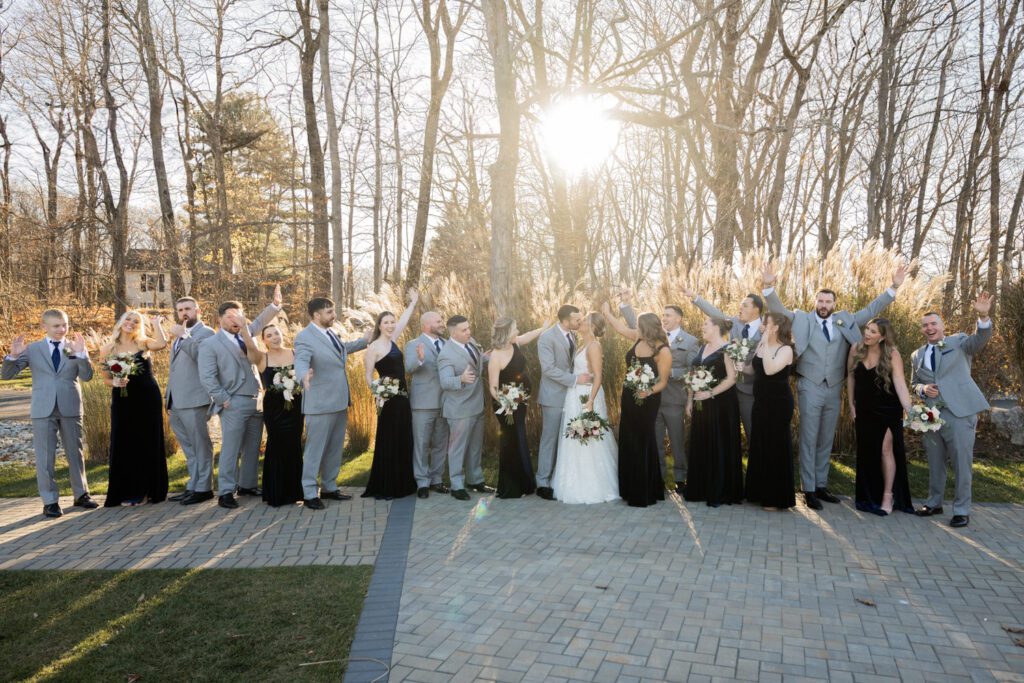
x: 430, y: 446
x: 746, y: 410
x: 465, y: 449
x: 954, y: 443
x: 551, y: 432
x: 191, y: 428
x: 670, y: 419
x: 325, y: 443
x: 241, y: 427
x: 819, y: 415
x: 44, y: 441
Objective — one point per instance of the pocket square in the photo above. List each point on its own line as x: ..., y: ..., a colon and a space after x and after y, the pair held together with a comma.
x: 948, y: 351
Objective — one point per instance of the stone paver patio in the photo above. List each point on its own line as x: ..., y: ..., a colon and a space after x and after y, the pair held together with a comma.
x: 537, y: 591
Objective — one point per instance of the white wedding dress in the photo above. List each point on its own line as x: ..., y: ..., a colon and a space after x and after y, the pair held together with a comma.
x: 585, y: 473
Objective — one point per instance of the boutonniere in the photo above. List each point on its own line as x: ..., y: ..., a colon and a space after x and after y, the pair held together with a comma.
x: 68, y: 353
x: 942, y: 344
x: 839, y: 322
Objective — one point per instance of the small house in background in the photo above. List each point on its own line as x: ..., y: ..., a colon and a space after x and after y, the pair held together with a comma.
x: 148, y: 279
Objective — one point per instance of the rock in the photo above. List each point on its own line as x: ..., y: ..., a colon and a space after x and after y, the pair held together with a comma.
x: 1009, y: 422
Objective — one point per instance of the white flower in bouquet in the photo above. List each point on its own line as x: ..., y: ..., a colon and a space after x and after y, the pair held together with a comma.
x: 699, y: 379
x: 741, y: 351
x: 510, y: 397
x: 384, y: 389
x: 587, y: 426
x: 639, y: 379
x: 121, y: 366
x: 922, y: 418
x: 287, y: 384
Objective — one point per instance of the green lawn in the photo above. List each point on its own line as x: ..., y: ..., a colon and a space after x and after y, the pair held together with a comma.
x: 198, y: 625
x: 23, y: 382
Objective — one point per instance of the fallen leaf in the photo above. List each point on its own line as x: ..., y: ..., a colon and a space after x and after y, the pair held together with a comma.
x: 604, y: 588
x: 141, y: 598
x: 1019, y: 642
x: 865, y: 601
x: 133, y: 677
x: 1013, y: 629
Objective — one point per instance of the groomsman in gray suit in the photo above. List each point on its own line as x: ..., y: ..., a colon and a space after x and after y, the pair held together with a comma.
x: 672, y: 413
x: 429, y: 429
x: 57, y: 366
x: 556, y: 348
x: 460, y: 370
x: 233, y: 384
x: 320, y: 358
x: 823, y: 338
x: 188, y: 403
x: 746, y: 325
x: 942, y: 373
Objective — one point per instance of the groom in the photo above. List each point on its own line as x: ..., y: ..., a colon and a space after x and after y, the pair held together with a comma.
x: 557, y: 350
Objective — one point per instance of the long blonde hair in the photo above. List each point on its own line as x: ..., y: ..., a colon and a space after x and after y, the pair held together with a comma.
x: 501, y: 335
x: 140, y: 331
x: 883, y: 371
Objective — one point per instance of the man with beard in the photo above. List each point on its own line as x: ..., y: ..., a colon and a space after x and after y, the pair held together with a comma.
x: 823, y: 338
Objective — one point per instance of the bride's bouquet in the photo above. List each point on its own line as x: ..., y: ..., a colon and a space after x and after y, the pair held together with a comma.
x: 286, y: 384
x: 384, y: 389
x: 587, y: 426
x: 699, y: 379
x: 740, y: 350
x: 922, y: 418
x: 122, y: 366
x: 639, y: 378
x: 510, y: 397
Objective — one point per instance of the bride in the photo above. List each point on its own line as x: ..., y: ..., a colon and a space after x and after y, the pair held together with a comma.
x: 587, y: 473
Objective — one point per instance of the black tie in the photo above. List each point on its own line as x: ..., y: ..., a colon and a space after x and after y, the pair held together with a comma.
x: 572, y: 346
x: 241, y: 344
x: 933, y: 358
x: 824, y: 328
x: 437, y: 345
x: 746, y: 331
x: 55, y: 355
x: 472, y: 353
x: 334, y: 340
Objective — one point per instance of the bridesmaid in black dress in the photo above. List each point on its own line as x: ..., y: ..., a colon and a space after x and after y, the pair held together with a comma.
x: 770, y: 464
x: 878, y: 395
x: 508, y: 366
x: 282, y: 456
x: 138, y: 463
x: 715, y: 472
x: 391, y: 474
x: 640, y: 482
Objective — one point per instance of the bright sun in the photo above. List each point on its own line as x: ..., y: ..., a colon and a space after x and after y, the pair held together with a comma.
x: 578, y: 134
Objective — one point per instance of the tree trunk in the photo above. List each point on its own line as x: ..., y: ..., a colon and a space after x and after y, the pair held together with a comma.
x: 338, y: 245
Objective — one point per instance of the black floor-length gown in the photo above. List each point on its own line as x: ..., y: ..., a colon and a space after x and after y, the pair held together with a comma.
x: 391, y: 474
x: 282, y: 457
x: 878, y: 410
x: 515, y: 471
x: 770, y: 464
x: 715, y: 461
x: 640, y: 482
x: 138, y: 465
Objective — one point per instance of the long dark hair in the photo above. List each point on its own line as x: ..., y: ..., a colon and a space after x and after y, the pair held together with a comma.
x: 883, y: 371
x: 376, y: 325
x: 785, y: 325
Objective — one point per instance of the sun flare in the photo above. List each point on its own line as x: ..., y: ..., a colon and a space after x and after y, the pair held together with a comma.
x: 578, y: 134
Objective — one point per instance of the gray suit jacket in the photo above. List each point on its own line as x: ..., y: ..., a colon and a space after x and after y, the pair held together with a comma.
x: 953, y: 373
x: 184, y: 390
x: 736, y: 332
x: 684, y: 350
x: 556, y: 374
x: 224, y: 371
x: 460, y: 400
x: 817, y: 359
x: 328, y: 391
x: 424, y: 383
x: 51, y: 387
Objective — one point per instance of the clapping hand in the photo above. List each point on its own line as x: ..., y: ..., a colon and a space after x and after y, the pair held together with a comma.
x: 18, y: 345
x: 77, y: 343
x: 421, y: 352
x: 983, y: 304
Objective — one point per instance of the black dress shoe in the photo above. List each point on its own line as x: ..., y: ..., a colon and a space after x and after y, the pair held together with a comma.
x: 925, y: 511
x: 423, y: 492
x: 52, y: 510
x: 826, y: 495
x: 313, y: 503
x: 334, y: 495
x: 177, y: 497
x: 460, y: 494
x: 812, y: 501
x: 480, y: 488
x: 227, y: 501
x: 197, y: 497
x: 960, y: 521
x: 546, y: 493
x: 86, y: 501
x: 251, y: 492
x: 681, y: 487
x: 440, y: 488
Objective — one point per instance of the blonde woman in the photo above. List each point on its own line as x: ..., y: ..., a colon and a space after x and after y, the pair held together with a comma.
x: 508, y: 366
x: 138, y: 465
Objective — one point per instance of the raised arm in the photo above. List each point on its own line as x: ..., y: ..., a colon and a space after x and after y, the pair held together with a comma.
x: 771, y: 295
x: 708, y: 308
x: 527, y: 337
x: 268, y: 313
x: 253, y: 352
x: 81, y: 357
x: 983, y: 332
x: 159, y: 340
x: 359, y: 343
x: 617, y: 324
x: 414, y: 297
x: 17, y: 360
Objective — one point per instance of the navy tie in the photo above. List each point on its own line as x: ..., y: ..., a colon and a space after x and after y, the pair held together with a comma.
x: 572, y: 347
x: 746, y: 331
x: 824, y: 328
x: 334, y: 340
x: 437, y: 345
x: 55, y: 355
x: 472, y: 353
x: 241, y: 344
x: 933, y: 358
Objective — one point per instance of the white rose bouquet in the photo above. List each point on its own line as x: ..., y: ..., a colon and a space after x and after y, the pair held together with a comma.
x: 286, y: 384
x: 510, y: 397
x: 922, y: 418
x: 121, y: 366
x: 699, y: 379
x: 639, y: 378
x: 741, y: 351
x: 384, y: 389
x: 587, y: 426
